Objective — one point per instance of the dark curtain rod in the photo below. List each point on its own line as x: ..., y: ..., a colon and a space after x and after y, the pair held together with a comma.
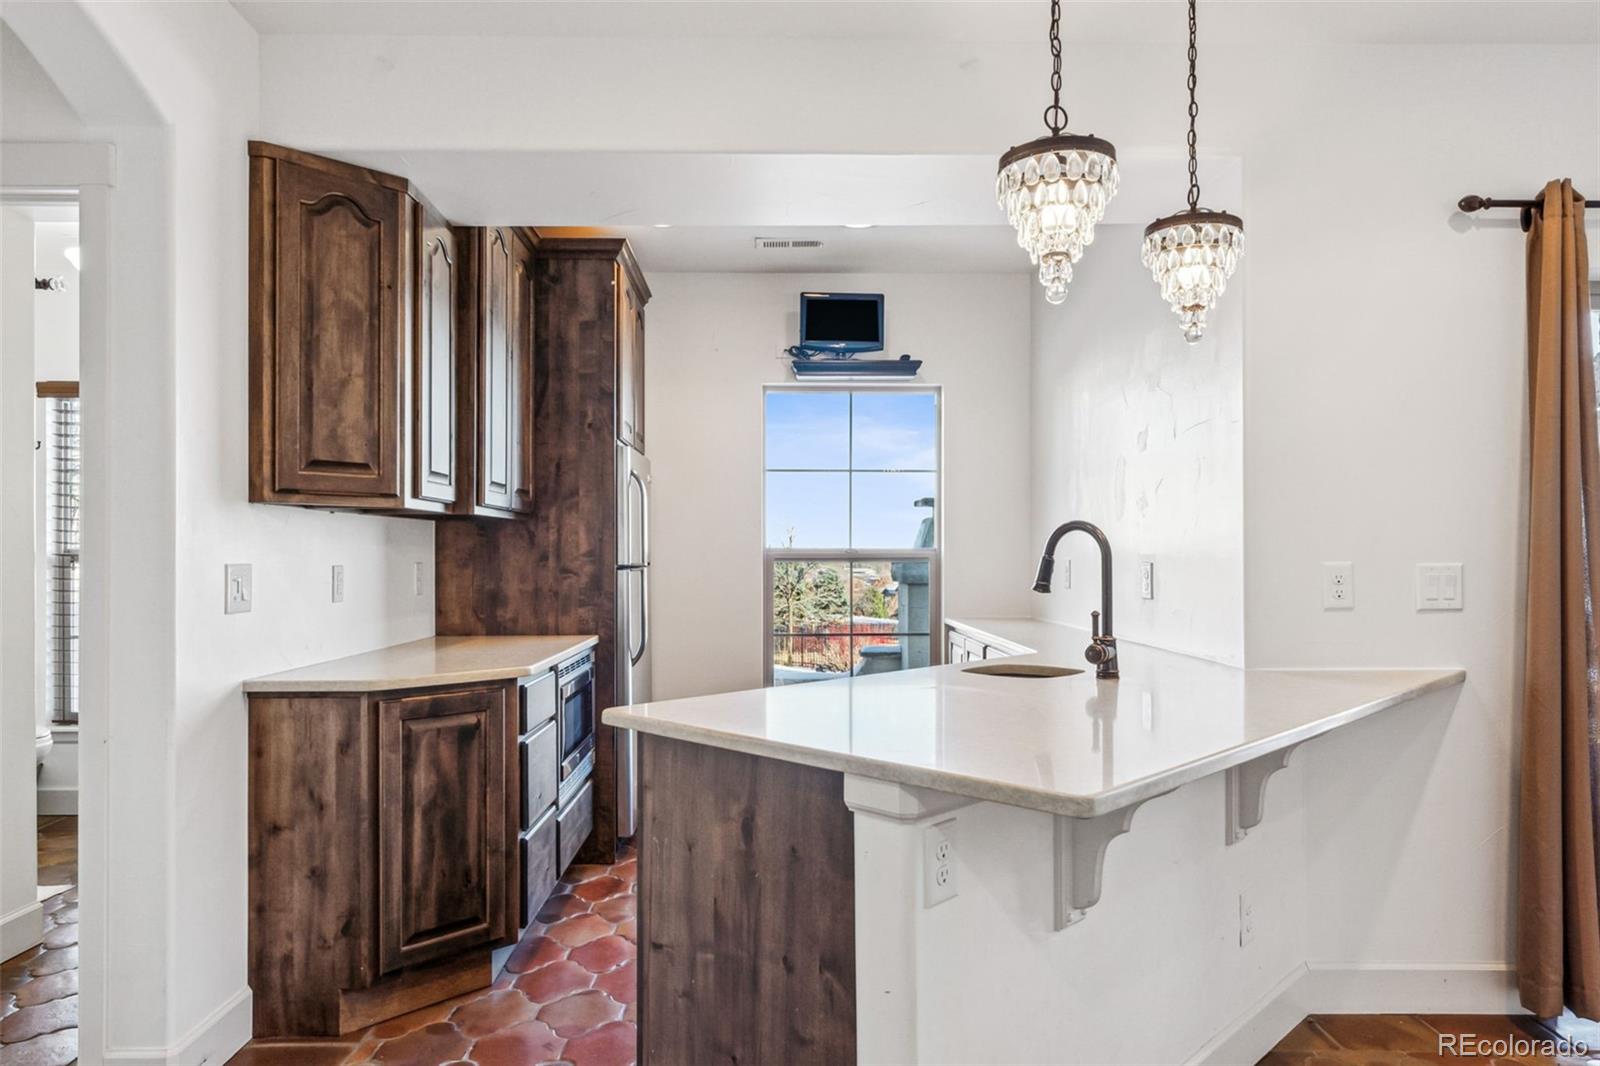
x: 1469, y: 204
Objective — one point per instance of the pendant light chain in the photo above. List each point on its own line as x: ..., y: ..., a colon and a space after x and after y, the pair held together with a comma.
x: 1055, y: 116
x: 1194, y: 111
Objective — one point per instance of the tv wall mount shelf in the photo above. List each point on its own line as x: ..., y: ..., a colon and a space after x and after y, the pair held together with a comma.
x: 809, y: 363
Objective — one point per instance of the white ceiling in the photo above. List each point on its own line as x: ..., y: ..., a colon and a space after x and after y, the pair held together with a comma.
x: 928, y: 213
x: 880, y: 250
x: 995, y: 21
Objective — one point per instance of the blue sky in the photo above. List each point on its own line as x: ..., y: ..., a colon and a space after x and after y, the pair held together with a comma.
x: 895, y: 443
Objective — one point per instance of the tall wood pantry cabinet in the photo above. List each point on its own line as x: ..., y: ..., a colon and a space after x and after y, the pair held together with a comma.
x: 556, y: 571
x: 390, y: 352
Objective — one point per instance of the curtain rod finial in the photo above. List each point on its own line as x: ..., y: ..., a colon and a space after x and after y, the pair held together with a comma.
x: 1470, y: 204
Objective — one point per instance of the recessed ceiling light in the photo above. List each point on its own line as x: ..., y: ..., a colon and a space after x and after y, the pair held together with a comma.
x: 663, y: 225
x: 858, y: 225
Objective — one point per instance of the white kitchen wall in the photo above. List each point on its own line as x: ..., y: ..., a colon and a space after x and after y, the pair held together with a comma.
x: 714, y: 341
x: 1141, y: 433
x: 172, y: 814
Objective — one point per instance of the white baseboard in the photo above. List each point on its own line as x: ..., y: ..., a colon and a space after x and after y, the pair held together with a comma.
x: 1410, y: 988
x: 58, y: 801
x: 1361, y: 988
x: 212, y: 1042
x: 1258, y: 1030
x: 21, y: 929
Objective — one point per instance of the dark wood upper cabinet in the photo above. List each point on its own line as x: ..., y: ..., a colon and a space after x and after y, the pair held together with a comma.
x: 434, y: 403
x: 442, y: 827
x: 504, y: 375
x: 630, y: 361
x: 329, y: 285
x: 391, y: 353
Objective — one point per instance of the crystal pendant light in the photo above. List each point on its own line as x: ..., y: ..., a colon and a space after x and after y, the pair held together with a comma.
x: 1192, y: 254
x: 1055, y: 189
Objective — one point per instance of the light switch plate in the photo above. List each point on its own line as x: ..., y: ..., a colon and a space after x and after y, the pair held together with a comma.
x: 237, y: 592
x: 338, y: 583
x: 1439, y: 587
x: 1338, y: 586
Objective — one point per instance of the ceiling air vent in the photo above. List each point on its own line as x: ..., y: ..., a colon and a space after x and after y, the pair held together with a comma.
x: 773, y: 243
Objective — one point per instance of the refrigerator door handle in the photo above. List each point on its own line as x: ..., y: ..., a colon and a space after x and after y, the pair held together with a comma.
x: 644, y: 517
x: 644, y: 612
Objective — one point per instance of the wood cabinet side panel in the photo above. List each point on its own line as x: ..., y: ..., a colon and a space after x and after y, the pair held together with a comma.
x: 746, y: 909
x: 312, y: 859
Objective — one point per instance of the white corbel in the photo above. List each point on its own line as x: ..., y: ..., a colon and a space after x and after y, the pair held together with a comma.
x: 1246, y: 786
x: 1081, y: 858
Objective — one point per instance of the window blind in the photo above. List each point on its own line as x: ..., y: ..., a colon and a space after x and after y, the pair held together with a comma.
x: 64, y: 537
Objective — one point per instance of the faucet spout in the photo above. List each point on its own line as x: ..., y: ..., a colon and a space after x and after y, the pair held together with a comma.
x: 1103, y: 650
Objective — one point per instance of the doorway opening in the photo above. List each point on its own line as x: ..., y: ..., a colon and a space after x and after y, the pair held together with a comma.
x: 39, y: 371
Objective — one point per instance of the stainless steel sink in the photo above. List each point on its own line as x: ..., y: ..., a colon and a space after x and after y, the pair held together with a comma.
x: 1004, y: 669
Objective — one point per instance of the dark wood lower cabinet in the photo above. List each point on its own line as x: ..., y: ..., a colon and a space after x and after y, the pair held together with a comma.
x: 384, y: 861
x: 746, y: 910
x: 442, y: 824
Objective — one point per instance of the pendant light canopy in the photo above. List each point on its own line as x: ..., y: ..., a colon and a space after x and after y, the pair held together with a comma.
x: 1055, y: 189
x: 1192, y: 254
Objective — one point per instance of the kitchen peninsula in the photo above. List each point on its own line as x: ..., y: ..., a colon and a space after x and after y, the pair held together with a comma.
x: 859, y: 867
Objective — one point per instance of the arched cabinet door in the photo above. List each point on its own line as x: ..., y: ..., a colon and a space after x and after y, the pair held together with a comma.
x: 505, y: 372
x: 335, y: 298
x: 435, y: 461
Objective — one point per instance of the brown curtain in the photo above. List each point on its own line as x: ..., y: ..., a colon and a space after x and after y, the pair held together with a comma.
x: 1559, y: 888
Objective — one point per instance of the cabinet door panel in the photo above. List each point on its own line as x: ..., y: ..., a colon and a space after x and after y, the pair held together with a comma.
x: 521, y: 366
x: 442, y: 833
x: 495, y: 453
x: 630, y: 364
x: 434, y: 384
x: 638, y: 375
x: 338, y: 320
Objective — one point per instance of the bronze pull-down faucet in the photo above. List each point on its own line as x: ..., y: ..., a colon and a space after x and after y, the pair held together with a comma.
x: 1102, y: 650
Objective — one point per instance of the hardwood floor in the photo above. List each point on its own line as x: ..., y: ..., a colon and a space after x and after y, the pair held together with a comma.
x: 1411, y: 1039
x: 39, y: 988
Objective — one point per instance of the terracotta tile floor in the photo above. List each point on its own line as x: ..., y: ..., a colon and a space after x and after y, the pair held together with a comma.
x: 39, y: 988
x: 567, y: 996
x: 1407, y: 1040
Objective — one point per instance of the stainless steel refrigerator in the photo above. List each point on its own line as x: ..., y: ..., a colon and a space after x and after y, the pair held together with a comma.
x: 633, y: 619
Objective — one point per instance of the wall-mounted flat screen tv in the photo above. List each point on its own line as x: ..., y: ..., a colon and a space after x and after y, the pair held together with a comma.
x: 847, y: 322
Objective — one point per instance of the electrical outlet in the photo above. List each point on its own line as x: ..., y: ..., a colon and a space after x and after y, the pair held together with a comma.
x: 237, y: 591
x: 939, y: 862
x: 1147, y: 579
x: 416, y: 578
x: 1338, y: 586
x: 1439, y: 587
x: 1066, y: 576
x: 338, y: 582
x: 1247, y: 919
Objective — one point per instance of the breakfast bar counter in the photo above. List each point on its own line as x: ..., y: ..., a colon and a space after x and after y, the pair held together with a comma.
x: 852, y: 866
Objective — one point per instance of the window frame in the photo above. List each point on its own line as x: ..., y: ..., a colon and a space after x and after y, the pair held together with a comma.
x: 933, y: 556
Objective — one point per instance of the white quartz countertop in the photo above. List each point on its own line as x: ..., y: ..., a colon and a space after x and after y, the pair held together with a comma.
x: 426, y: 662
x: 1069, y: 745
